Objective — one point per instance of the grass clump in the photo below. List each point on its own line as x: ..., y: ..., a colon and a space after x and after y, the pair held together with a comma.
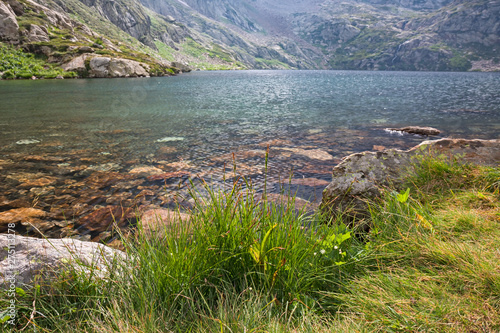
x: 241, y: 263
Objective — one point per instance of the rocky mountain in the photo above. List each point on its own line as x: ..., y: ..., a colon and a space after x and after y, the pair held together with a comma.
x: 167, y: 36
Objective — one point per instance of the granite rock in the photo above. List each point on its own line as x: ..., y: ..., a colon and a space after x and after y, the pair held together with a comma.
x: 36, y: 258
x: 9, y: 29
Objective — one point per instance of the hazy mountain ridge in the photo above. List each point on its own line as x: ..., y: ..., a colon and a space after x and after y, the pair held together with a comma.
x: 223, y: 34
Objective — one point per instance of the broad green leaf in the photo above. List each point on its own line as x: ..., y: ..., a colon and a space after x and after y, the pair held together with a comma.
x: 20, y: 292
x: 342, y: 237
x: 403, y: 197
x: 4, y: 316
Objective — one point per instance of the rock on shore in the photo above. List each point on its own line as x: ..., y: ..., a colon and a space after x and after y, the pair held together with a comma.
x: 360, y: 177
x: 35, y: 258
x: 102, y: 67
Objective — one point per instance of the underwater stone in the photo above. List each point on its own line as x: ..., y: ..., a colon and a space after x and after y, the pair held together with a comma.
x: 27, y: 142
x: 170, y: 138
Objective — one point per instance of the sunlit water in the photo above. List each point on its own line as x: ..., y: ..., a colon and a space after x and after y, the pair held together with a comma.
x: 194, y: 122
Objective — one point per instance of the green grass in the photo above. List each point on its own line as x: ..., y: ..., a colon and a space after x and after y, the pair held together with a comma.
x: 15, y: 63
x: 437, y: 268
x: 165, y: 51
x: 271, y: 63
x: 244, y: 264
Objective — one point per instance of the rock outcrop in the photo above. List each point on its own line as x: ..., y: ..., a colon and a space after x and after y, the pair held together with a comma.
x: 9, y: 29
x: 33, y: 259
x: 38, y: 34
x: 360, y: 177
x: 76, y: 64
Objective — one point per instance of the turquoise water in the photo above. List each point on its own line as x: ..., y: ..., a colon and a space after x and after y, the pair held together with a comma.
x: 197, y: 120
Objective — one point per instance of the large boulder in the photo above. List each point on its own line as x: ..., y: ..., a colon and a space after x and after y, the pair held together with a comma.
x: 99, y: 67
x: 102, y: 67
x: 32, y: 259
x: 127, y: 68
x: 360, y: 177
x: 9, y: 29
x: 76, y: 64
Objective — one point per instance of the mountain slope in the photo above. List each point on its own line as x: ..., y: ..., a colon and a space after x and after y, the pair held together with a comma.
x: 166, y: 36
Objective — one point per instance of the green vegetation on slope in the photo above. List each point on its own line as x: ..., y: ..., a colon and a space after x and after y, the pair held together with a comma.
x: 15, y: 63
x: 429, y: 263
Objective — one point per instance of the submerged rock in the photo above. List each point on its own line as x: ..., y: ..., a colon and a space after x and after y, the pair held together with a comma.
x: 308, y: 181
x: 20, y: 215
x: 315, y: 154
x: 360, y: 177
x: 161, y: 220
x: 146, y: 170
x: 426, y: 131
x: 27, y: 142
x: 104, y: 219
x: 170, y: 139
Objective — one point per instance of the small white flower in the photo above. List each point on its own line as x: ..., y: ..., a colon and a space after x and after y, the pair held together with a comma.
x: 314, y: 253
x: 250, y: 288
x: 322, y: 251
x: 336, y: 247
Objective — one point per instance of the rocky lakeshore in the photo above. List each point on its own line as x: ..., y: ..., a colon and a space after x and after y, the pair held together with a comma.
x: 49, y: 200
x: 85, y: 195
x: 84, y: 192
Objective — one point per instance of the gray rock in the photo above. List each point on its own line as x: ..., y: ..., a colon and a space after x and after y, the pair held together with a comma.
x: 102, y: 67
x: 34, y: 258
x: 57, y: 18
x: 86, y: 49
x: 127, y: 68
x: 99, y: 67
x: 76, y: 64
x: 182, y: 67
x: 16, y: 7
x: 38, y: 34
x: 9, y: 29
x: 360, y: 177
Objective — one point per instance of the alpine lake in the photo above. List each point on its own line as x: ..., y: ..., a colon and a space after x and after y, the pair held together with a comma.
x: 78, y: 155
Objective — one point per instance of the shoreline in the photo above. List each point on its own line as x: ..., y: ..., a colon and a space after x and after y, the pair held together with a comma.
x: 34, y: 78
